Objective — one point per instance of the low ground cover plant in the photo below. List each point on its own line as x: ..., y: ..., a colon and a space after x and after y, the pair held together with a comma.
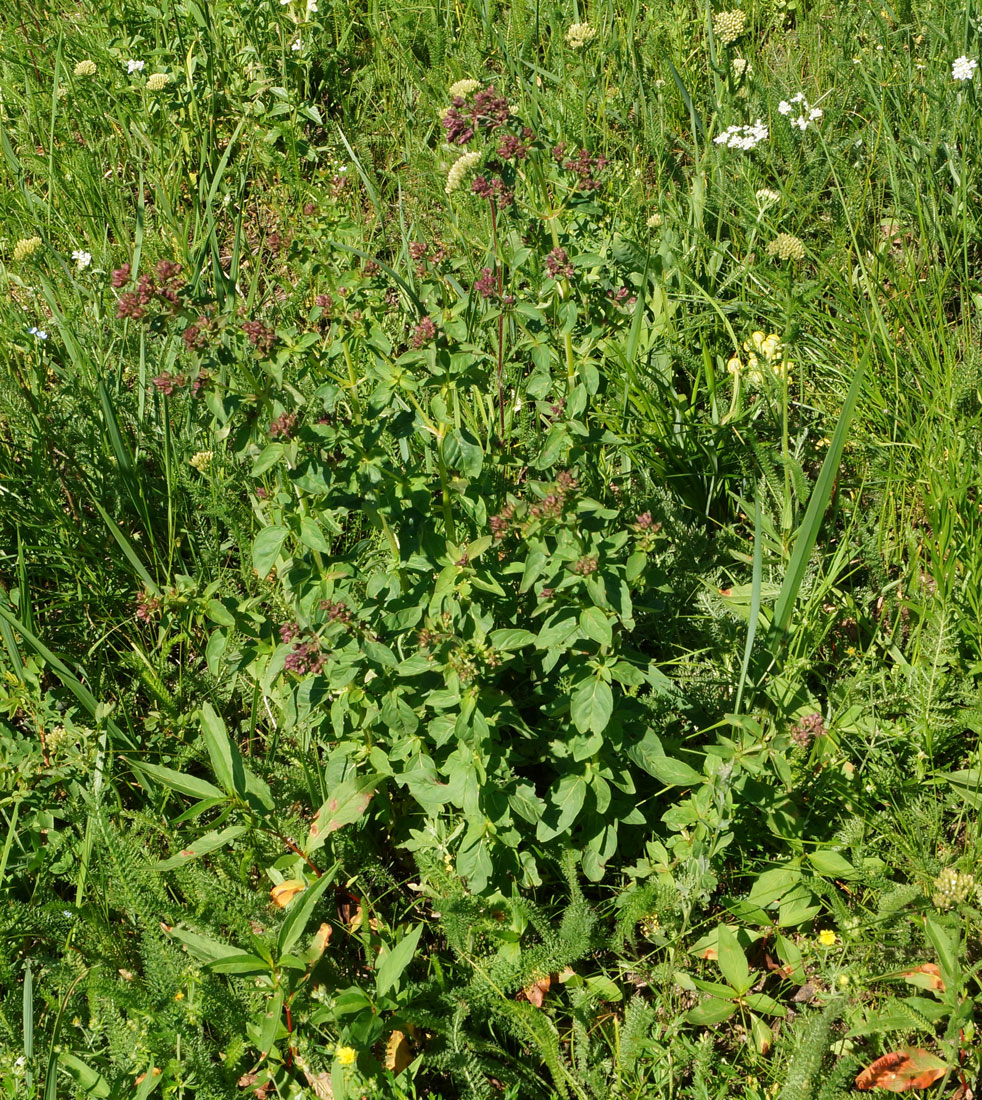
x: 488, y: 550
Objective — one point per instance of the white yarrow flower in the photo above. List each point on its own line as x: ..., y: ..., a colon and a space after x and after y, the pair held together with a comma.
x: 963, y: 68
x: 82, y: 259
x: 459, y: 169
x: 311, y: 7
x: 297, y: 45
x: 743, y: 137
x: 464, y: 87
x: 133, y: 66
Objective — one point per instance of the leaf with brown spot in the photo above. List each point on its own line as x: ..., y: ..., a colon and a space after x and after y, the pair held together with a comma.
x: 925, y: 976
x: 283, y: 894
x: 910, y: 1068
x: 343, y: 807
x: 398, y: 1052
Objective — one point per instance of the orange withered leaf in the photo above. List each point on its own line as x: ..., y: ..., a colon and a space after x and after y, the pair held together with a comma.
x: 910, y: 1068
x: 398, y: 1052
x: 925, y: 976
x: 283, y: 894
x: 536, y: 992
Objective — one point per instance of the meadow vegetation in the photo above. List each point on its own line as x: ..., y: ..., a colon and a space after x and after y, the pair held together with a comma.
x: 490, y: 549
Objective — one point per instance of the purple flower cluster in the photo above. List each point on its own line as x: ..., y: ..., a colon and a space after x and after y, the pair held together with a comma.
x: 424, y: 332
x: 488, y: 110
x: 162, y: 287
x: 282, y: 427
x: 260, y: 336
x: 557, y: 264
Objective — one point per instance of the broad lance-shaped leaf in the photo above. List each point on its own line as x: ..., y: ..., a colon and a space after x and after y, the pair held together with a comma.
x: 395, y: 961
x: 344, y: 806
x: 210, y: 842
x: 591, y: 705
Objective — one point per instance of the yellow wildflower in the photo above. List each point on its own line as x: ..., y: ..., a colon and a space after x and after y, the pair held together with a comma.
x: 827, y: 938
x: 346, y: 1056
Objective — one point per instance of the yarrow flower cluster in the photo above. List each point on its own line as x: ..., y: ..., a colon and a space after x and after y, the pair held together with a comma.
x: 808, y: 113
x: 156, y: 82
x: 963, y: 68
x: 728, y: 26
x: 26, y: 247
x: 741, y: 67
x: 766, y: 197
x: 134, y: 66
x: 463, y: 88
x: 785, y: 247
x: 82, y: 258
x: 768, y: 351
x: 952, y: 888
x: 459, y: 169
x: 743, y: 137
x: 85, y: 68
x: 579, y: 34
x: 200, y: 460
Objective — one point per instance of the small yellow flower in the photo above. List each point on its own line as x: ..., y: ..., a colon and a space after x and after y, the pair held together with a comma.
x: 346, y: 1056
x: 843, y: 980
x: 85, y: 68
x: 26, y: 247
x: 827, y: 938
x: 178, y: 996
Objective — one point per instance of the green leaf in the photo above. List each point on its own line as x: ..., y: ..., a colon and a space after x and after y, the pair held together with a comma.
x: 210, y: 842
x: 266, y: 548
x: 395, y: 962
x: 807, y: 533
x: 177, y: 781
x: 89, y: 1081
x: 220, y: 750
x: 296, y: 921
x: 711, y: 1011
x: 673, y: 773
x: 567, y: 801
x: 507, y: 640
x: 731, y: 960
x: 591, y: 705
x: 270, y: 1023
x: 595, y: 625
x: 830, y: 864
x: 204, y: 948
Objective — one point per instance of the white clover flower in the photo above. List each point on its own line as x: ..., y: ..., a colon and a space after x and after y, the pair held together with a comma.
x: 156, y: 82
x: 963, y: 68
x: 459, y: 169
x: 743, y: 137
x: 82, y: 259
x: 37, y: 333
x: 85, y: 68
x: 297, y: 45
x: 133, y: 66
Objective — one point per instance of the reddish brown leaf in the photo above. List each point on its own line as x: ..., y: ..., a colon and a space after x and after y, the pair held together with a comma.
x: 536, y: 992
x: 910, y: 1068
